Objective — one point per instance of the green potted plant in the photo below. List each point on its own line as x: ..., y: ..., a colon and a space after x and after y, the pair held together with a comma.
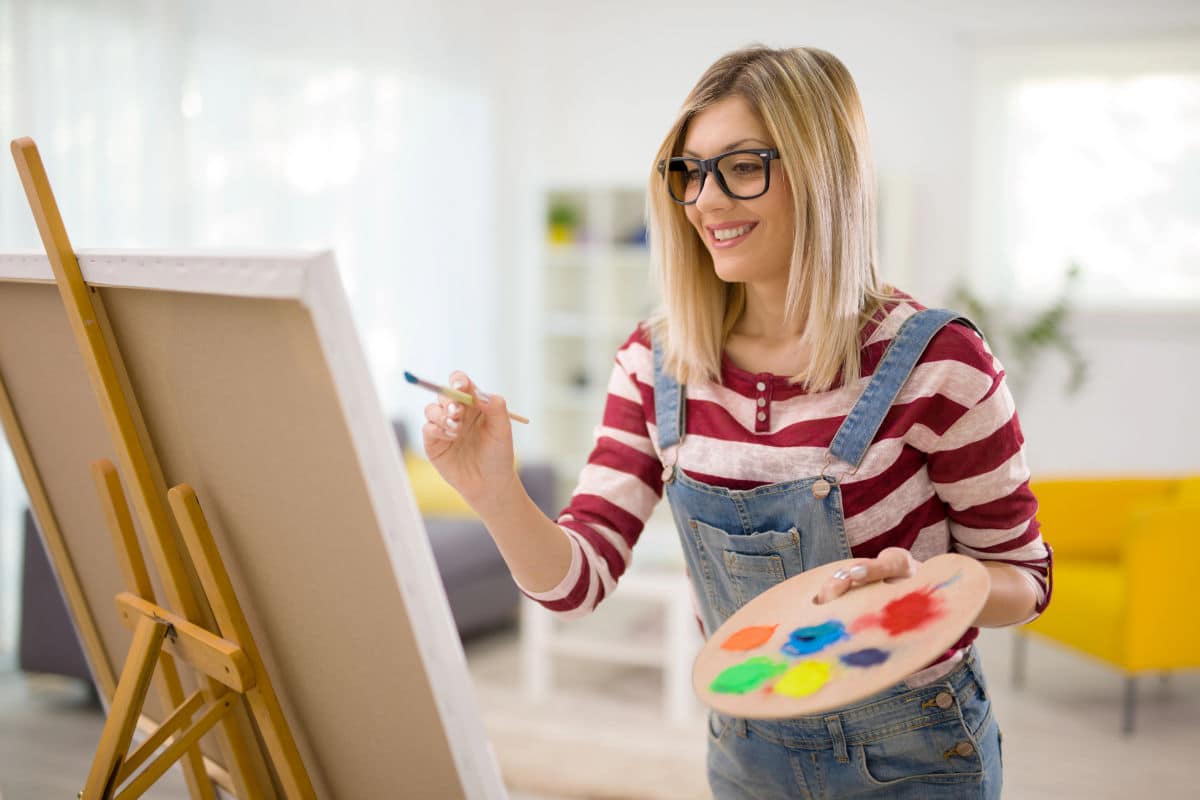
x: 1021, y: 341
x: 562, y: 222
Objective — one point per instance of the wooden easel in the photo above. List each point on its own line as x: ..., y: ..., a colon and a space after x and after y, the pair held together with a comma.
x: 204, y: 627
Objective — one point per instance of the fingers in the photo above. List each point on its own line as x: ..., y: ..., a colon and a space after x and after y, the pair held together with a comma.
x: 446, y: 418
x: 446, y: 415
x: 892, y: 562
x: 460, y: 381
x: 492, y: 405
x: 440, y: 425
x: 842, y: 581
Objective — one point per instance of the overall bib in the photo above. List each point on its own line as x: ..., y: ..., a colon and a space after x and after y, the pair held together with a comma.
x: 938, y: 740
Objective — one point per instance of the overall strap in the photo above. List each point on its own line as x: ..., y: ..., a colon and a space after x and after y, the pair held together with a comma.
x: 862, y: 423
x: 669, y: 405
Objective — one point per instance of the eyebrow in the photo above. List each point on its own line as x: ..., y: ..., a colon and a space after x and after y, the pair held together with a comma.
x: 730, y: 146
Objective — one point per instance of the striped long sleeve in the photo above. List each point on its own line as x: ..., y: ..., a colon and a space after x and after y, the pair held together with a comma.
x: 945, y: 472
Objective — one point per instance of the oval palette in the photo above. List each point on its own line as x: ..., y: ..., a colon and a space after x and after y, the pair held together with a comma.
x: 782, y: 655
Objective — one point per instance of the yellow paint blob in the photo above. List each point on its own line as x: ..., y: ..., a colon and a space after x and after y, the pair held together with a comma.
x: 803, y: 679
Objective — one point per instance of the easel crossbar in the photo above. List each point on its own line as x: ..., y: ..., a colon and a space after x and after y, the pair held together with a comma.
x: 220, y: 659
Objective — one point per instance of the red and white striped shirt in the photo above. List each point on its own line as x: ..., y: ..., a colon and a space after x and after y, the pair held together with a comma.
x: 946, y: 471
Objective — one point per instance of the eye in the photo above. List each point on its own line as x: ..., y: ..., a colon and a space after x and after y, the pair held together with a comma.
x: 747, y: 166
x: 685, y: 171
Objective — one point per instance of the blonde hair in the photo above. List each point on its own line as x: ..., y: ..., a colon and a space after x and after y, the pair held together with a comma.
x: 810, y: 107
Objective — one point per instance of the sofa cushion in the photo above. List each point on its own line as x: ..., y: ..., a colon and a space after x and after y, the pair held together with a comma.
x: 434, y: 496
x: 1091, y: 590
x: 479, y: 587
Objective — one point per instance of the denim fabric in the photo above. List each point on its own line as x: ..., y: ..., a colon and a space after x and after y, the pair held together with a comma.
x: 897, y: 744
x: 739, y: 543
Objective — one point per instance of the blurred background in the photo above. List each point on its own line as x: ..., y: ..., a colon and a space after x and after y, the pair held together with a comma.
x: 479, y: 170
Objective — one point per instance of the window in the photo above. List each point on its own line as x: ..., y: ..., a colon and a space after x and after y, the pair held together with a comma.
x: 1089, y: 155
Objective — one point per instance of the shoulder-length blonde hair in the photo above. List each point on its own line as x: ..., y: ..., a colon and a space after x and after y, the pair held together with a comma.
x: 810, y: 107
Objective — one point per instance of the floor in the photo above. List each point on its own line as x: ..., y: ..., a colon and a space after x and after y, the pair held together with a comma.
x: 602, y: 737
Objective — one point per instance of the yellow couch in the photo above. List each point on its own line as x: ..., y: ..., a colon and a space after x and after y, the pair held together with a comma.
x: 1126, y: 574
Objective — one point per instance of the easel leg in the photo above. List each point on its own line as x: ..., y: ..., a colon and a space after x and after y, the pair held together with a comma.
x: 137, y: 580
x: 126, y: 706
x: 231, y: 620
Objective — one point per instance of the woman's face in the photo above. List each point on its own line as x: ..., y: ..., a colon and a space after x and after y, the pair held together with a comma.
x: 756, y: 236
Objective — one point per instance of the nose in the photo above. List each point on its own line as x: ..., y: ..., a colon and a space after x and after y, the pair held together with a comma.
x: 711, y: 198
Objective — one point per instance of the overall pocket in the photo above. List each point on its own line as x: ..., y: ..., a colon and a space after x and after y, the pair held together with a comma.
x: 930, y: 747
x: 739, y: 567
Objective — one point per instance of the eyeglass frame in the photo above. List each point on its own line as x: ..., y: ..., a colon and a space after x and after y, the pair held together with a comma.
x: 707, y: 165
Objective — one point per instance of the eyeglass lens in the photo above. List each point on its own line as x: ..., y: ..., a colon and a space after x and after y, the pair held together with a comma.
x: 741, y: 175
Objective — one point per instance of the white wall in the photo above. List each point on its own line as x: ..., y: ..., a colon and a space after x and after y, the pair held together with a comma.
x: 587, y: 91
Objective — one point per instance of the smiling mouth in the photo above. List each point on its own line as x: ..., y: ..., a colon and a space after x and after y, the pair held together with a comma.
x: 729, y: 236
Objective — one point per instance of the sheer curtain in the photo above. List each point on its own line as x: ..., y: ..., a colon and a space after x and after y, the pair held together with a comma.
x: 160, y: 131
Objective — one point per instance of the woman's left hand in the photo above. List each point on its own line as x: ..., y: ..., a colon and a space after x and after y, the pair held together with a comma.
x: 892, y: 562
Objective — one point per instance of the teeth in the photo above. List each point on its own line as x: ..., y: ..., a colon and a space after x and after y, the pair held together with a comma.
x: 725, y: 234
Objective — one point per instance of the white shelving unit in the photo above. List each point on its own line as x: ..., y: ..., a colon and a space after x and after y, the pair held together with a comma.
x: 594, y: 288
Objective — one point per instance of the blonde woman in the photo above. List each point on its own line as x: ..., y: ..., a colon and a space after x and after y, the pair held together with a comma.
x: 795, y: 412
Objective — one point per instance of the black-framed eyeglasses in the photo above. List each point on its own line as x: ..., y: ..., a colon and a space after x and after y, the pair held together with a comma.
x: 741, y: 174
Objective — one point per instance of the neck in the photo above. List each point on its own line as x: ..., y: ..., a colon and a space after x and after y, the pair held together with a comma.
x: 764, y: 314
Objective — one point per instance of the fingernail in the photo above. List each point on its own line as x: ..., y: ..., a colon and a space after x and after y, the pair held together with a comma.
x: 459, y: 385
x: 841, y: 575
x: 858, y: 573
x: 453, y: 423
x: 452, y: 408
x: 484, y: 396
x: 452, y: 434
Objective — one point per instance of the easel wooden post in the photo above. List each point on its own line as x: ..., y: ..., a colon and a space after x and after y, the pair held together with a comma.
x: 206, y: 629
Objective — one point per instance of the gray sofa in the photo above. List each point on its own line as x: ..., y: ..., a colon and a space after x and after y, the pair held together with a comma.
x: 481, y: 592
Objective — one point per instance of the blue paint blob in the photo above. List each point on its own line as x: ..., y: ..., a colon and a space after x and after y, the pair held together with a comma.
x: 865, y: 658
x: 805, y: 641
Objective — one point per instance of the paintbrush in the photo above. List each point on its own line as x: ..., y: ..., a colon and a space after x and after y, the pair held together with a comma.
x: 456, y: 395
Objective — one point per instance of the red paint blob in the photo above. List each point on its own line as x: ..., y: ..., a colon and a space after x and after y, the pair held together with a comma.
x: 864, y: 622
x: 910, y: 611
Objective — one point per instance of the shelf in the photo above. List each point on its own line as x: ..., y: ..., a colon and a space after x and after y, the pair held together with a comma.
x: 631, y: 256
x: 593, y: 290
x: 572, y: 399
x: 567, y: 323
x: 607, y: 650
x: 567, y: 256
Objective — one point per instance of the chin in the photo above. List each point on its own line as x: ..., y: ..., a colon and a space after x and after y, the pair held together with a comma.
x: 733, y: 271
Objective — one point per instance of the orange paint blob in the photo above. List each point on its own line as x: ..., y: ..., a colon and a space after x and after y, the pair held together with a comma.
x: 749, y: 638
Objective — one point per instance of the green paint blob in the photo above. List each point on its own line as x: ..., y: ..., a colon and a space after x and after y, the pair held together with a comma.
x: 747, y: 676
x: 803, y: 679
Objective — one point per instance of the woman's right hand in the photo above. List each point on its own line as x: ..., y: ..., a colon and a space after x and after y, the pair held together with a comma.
x: 471, y: 446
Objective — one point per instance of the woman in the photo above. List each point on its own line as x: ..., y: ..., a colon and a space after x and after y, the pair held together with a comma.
x: 762, y: 223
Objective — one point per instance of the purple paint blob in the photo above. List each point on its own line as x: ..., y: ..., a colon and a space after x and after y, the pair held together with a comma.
x: 865, y: 658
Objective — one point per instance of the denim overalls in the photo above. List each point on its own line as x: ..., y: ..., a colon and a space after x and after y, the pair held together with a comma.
x: 939, y: 740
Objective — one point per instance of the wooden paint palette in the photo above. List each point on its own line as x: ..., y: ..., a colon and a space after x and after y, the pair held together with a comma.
x: 782, y: 655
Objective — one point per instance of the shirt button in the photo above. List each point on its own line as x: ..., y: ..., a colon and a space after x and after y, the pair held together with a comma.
x: 762, y: 416
x: 760, y: 386
x: 964, y: 749
x: 762, y: 401
x: 944, y: 700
